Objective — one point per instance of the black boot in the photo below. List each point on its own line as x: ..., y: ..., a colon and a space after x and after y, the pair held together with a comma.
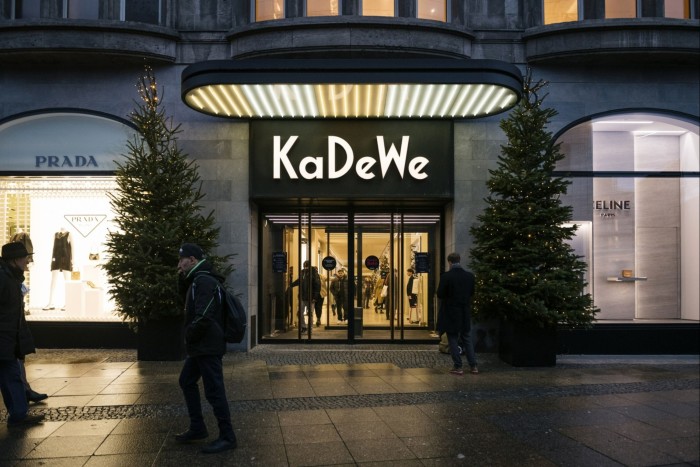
x: 33, y: 396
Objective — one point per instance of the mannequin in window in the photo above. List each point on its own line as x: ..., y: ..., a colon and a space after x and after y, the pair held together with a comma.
x: 61, y: 263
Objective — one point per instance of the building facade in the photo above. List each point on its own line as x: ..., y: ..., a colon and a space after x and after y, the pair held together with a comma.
x: 369, y: 193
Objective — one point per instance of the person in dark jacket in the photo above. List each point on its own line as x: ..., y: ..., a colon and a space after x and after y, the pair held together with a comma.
x: 339, y: 289
x: 310, y: 283
x: 205, y: 344
x: 455, y: 292
x: 12, y: 328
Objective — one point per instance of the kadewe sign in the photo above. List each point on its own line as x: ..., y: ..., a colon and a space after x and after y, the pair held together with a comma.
x: 351, y: 159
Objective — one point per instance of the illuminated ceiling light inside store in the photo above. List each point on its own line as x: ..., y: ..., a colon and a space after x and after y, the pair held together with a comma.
x: 391, y: 88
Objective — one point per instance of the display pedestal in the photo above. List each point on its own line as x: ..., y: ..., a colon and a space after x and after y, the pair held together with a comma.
x: 74, y: 297
x: 93, y: 301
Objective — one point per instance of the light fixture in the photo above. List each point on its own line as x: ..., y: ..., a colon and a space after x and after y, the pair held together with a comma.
x: 352, y: 88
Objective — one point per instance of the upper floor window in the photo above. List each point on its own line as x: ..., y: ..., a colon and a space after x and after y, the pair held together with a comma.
x: 81, y: 9
x: 560, y: 11
x: 620, y: 8
x: 322, y: 7
x: 432, y: 9
x: 378, y: 8
x: 144, y: 11
x: 269, y: 9
x: 677, y: 9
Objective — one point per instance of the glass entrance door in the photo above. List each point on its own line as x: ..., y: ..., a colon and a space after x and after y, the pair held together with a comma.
x: 370, y: 276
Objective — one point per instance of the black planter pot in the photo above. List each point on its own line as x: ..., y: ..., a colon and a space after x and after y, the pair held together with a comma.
x: 161, y: 340
x: 525, y: 344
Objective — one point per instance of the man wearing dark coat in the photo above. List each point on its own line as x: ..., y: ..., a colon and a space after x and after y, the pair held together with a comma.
x: 455, y: 292
x: 205, y: 344
x: 15, y: 338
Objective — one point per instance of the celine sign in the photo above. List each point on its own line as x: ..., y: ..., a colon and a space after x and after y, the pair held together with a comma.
x: 351, y: 159
x: 606, y: 207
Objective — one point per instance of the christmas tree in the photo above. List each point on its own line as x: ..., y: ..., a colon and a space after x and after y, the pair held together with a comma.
x: 157, y: 207
x: 525, y: 269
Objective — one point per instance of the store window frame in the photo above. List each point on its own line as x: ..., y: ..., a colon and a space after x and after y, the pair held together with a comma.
x: 628, y: 172
x: 76, y: 176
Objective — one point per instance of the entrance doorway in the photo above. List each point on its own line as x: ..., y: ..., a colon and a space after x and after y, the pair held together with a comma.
x: 347, y: 276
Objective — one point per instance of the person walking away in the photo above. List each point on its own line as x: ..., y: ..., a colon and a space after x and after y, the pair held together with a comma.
x: 13, y: 263
x: 339, y: 288
x: 205, y: 345
x: 412, y: 297
x: 455, y: 292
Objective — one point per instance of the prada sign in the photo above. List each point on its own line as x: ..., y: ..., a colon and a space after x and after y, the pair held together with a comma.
x: 357, y: 159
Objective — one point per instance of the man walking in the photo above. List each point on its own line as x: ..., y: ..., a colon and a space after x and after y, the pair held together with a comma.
x: 205, y: 344
x: 13, y: 333
x: 454, y: 317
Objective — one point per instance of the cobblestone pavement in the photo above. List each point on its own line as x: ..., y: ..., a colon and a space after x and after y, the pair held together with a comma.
x: 365, y: 405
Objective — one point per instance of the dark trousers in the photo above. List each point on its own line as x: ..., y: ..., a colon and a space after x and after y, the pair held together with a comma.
x: 453, y: 339
x: 12, y: 388
x: 210, y: 369
x: 340, y: 307
x: 318, y: 307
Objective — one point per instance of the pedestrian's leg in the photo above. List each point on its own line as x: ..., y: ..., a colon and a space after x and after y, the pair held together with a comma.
x: 12, y: 389
x: 469, y: 348
x: 189, y: 377
x: 215, y: 392
x: 452, y: 339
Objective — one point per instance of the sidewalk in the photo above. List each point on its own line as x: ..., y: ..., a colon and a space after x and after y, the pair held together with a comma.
x: 365, y: 405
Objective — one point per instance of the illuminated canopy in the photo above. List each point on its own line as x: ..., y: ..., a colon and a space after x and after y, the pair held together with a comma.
x: 351, y: 88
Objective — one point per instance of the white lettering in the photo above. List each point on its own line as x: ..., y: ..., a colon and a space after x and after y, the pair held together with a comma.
x: 385, y: 159
x: 318, y: 164
x: 416, y: 166
x: 332, y: 142
x: 312, y: 167
x: 281, y: 155
x: 363, y: 167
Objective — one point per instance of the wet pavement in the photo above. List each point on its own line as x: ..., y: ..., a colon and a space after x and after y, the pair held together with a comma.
x: 373, y: 405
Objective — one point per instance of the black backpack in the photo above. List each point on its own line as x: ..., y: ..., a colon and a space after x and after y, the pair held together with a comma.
x: 234, y: 315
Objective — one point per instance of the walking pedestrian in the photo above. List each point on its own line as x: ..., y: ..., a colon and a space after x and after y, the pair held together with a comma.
x: 205, y: 344
x: 455, y: 292
x: 13, y: 327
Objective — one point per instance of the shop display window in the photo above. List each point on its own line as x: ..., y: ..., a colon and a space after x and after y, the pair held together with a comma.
x: 636, y: 192
x: 65, y: 221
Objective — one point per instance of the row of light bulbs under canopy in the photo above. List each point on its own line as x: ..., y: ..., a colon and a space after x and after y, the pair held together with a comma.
x: 351, y: 100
